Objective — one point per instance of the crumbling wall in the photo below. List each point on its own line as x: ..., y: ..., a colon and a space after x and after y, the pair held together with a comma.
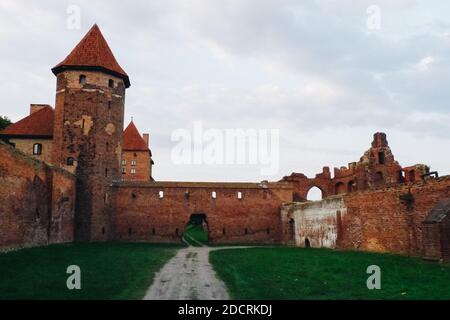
x: 27, y: 201
x: 390, y: 219
x: 316, y: 223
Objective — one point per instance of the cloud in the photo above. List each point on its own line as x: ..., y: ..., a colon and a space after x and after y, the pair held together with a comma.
x: 310, y: 69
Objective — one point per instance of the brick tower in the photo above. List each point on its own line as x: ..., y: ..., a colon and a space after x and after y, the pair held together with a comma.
x: 89, y: 111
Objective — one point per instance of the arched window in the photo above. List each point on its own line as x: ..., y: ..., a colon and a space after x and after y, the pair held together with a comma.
x: 37, y: 149
x: 340, y: 188
x: 351, y: 186
x: 314, y: 194
x: 82, y: 79
x: 111, y: 83
x: 70, y: 161
x: 239, y: 195
x: 214, y: 195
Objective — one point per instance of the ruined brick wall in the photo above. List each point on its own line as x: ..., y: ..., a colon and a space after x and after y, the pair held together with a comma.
x: 88, y: 128
x: 141, y: 215
x: 30, y: 193
x: 141, y: 165
x: 26, y: 146
x: 390, y: 219
x: 316, y: 224
x: 383, y: 220
x: 376, y: 169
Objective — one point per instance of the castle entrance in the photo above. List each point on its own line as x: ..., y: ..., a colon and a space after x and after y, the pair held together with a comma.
x: 196, y: 231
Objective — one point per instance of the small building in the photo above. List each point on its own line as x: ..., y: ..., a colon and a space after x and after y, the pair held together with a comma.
x: 436, y: 232
x: 33, y: 134
x: 136, y: 156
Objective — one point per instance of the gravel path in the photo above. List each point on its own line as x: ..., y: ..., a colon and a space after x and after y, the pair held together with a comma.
x: 188, y: 276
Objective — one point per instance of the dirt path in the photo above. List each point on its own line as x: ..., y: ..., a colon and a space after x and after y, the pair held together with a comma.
x: 188, y: 276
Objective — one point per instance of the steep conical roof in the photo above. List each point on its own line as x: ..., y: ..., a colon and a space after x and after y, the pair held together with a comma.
x: 92, y: 53
x: 132, y: 140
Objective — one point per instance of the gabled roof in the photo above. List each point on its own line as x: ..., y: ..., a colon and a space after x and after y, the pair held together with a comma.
x: 93, y: 53
x: 37, y: 124
x: 132, y: 139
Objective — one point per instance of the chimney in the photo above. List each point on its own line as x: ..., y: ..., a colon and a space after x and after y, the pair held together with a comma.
x: 36, y: 107
x: 145, y: 136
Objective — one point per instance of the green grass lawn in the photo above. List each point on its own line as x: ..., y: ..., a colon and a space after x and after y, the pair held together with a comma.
x: 197, y: 233
x: 108, y: 270
x: 296, y: 273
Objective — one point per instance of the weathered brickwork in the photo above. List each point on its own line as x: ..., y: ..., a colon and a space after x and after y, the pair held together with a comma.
x: 79, y: 188
x: 136, y: 165
x: 88, y: 128
x: 377, y: 168
x: 36, y: 201
x: 27, y: 145
x: 315, y: 224
x: 142, y: 215
x: 384, y: 220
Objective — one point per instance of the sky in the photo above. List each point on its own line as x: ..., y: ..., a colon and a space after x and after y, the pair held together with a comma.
x: 326, y: 75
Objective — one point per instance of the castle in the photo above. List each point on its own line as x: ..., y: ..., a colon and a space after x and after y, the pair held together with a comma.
x: 73, y: 173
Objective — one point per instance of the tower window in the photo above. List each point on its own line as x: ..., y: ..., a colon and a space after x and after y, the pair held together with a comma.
x: 111, y: 83
x: 213, y: 195
x: 133, y: 170
x: 70, y: 161
x: 239, y: 195
x: 37, y: 149
x: 161, y: 194
x: 82, y: 79
x: 133, y: 162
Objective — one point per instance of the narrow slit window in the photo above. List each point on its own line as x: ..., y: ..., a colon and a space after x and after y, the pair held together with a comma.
x: 111, y: 83
x: 161, y: 194
x: 239, y: 195
x: 82, y: 79
x: 70, y: 161
x: 214, y: 195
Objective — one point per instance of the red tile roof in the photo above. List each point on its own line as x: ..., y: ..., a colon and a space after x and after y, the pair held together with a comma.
x: 93, y: 53
x: 132, y: 139
x: 37, y: 124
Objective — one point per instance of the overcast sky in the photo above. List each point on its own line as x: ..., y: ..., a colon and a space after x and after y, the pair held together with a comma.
x: 312, y: 69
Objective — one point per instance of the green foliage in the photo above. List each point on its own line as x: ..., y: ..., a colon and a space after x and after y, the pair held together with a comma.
x: 296, y: 273
x: 108, y: 271
x: 4, y: 122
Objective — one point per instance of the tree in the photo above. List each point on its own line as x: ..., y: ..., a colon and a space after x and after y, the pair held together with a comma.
x: 4, y: 122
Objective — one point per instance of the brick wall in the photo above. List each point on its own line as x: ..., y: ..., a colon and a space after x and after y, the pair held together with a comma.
x: 390, y: 220
x: 141, y: 215
x: 36, y: 201
x: 142, y: 166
